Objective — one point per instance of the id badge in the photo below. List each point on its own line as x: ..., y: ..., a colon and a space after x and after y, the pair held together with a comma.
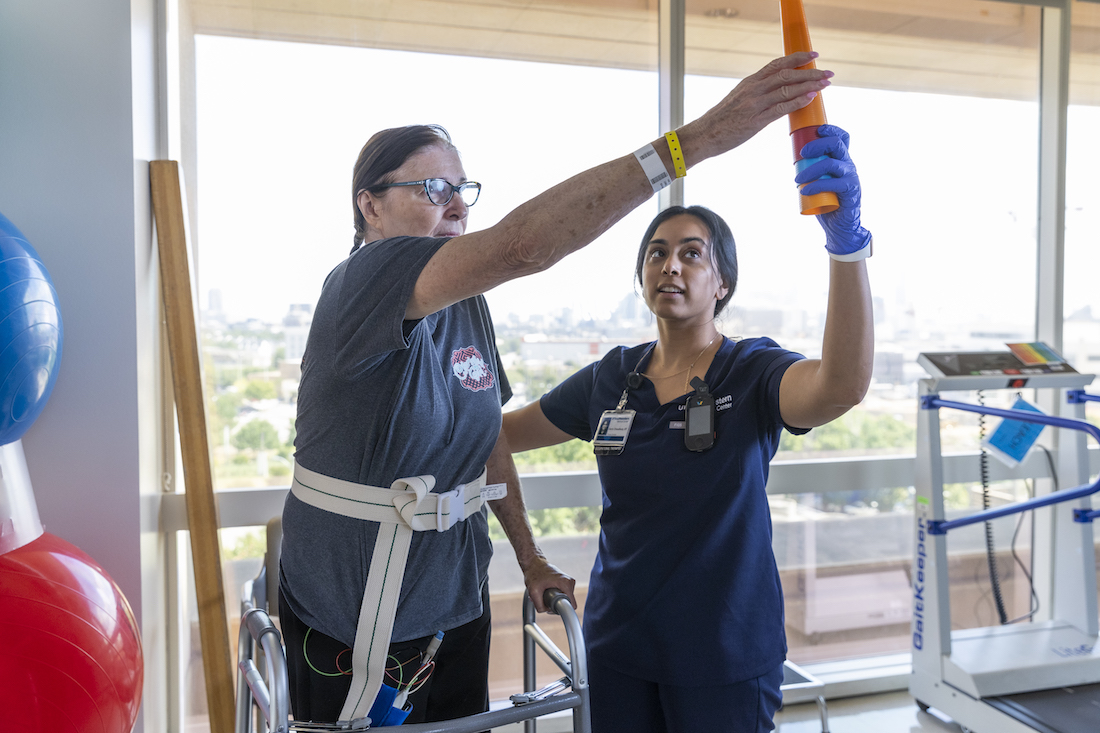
x: 612, y: 432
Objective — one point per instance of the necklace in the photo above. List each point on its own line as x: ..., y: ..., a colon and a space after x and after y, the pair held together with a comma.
x: 687, y: 380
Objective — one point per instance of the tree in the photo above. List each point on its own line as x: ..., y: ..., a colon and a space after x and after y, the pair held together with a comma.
x: 259, y: 389
x: 572, y: 455
x: 222, y: 413
x: 226, y: 406
x: 256, y: 435
x: 852, y: 431
x: 886, y: 431
x: 538, y: 380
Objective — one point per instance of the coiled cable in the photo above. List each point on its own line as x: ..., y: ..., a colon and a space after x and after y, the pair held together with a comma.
x: 994, y: 578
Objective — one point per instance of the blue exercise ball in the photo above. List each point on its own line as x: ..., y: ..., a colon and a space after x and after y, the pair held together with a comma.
x: 30, y: 333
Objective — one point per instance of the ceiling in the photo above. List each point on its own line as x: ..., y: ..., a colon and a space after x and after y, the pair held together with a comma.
x: 973, y: 47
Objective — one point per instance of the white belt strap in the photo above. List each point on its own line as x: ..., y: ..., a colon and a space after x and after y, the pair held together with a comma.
x: 407, y: 506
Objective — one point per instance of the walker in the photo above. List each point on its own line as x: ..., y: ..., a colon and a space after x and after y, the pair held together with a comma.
x: 268, y: 694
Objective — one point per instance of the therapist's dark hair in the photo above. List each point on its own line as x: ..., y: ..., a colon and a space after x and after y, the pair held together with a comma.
x: 384, y: 153
x: 723, y: 248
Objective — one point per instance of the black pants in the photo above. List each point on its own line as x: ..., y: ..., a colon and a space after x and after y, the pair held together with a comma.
x: 320, y: 670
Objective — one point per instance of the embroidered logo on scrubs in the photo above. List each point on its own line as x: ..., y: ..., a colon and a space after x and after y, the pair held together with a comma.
x: 471, y: 369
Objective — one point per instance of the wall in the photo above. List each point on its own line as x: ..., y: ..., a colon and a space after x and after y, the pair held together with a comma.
x: 78, y: 118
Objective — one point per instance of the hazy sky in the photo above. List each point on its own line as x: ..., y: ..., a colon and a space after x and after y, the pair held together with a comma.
x: 950, y: 197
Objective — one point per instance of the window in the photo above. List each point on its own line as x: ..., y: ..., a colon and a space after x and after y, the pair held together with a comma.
x: 946, y: 145
x: 954, y: 222
x: 1081, y: 328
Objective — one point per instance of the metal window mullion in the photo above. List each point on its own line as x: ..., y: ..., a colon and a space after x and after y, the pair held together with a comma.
x: 1054, y: 53
x: 1053, y: 114
x: 670, y: 83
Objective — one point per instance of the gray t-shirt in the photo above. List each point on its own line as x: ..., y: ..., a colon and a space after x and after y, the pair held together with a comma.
x: 382, y: 398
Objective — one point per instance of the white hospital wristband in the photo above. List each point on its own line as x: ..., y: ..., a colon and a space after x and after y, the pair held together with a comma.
x: 860, y: 254
x: 653, y: 167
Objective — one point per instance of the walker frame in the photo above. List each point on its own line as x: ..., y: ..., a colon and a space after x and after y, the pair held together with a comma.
x: 263, y: 700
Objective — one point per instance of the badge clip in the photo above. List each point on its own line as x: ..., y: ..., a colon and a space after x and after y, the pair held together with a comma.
x: 612, y: 432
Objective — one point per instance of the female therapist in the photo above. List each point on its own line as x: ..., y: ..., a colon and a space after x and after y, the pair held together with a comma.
x: 684, y: 617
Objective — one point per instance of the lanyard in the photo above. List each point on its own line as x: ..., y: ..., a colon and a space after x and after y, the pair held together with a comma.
x: 634, y: 379
x: 614, y: 425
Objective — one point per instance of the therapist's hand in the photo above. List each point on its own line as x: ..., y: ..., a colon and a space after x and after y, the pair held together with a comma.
x: 845, y: 237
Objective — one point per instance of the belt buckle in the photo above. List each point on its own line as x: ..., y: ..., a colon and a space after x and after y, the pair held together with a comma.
x: 449, y: 512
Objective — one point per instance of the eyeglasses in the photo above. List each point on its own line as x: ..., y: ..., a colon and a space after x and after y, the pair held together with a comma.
x: 440, y: 191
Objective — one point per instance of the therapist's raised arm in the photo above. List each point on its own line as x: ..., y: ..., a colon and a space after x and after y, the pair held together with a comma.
x: 816, y: 391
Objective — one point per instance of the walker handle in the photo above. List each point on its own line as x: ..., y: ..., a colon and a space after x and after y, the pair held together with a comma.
x: 558, y: 603
x: 551, y: 596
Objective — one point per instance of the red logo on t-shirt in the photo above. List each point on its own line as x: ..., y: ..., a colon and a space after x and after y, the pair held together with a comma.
x: 471, y: 369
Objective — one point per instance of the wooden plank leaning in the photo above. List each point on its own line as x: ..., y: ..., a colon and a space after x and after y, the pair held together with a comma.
x: 202, y: 518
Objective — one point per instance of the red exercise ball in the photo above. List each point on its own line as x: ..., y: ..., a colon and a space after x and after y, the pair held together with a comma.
x: 70, y: 649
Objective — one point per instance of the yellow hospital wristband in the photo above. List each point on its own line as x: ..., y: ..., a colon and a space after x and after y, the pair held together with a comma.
x: 677, y: 154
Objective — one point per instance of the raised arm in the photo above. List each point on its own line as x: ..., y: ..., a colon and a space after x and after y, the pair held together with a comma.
x: 815, y: 391
x: 574, y: 213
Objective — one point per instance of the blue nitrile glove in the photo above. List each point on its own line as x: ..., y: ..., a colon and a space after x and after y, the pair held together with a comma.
x: 845, y: 239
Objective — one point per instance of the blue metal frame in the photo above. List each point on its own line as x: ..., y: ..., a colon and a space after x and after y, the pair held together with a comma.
x: 1079, y: 396
x: 940, y: 526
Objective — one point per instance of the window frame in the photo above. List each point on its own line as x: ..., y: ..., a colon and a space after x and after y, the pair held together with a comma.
x: 253, y: 507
